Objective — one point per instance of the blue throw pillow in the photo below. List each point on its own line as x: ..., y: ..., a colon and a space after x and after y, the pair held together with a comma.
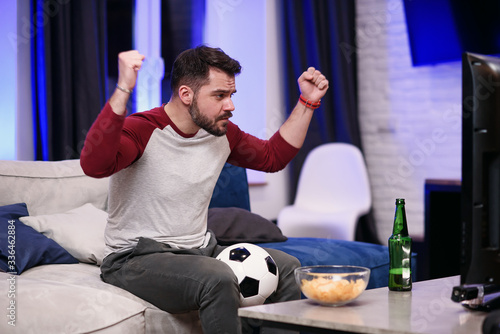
x: 231, y: 189
x: 22, y: 247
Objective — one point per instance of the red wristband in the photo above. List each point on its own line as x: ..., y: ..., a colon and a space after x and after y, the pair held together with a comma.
x: 309, y: 104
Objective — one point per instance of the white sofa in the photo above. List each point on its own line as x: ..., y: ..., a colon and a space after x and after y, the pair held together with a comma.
x: 69, y: 298
x: 64, y: 205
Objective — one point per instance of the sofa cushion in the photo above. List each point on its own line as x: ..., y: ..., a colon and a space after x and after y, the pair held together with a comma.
x: 88, y: 276
x: 29, y: 247
x: 44, y: 306
x: 234, y: 225
x: 80, y: 231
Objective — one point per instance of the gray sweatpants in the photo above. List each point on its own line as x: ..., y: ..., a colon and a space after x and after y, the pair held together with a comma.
x: 180, y: 280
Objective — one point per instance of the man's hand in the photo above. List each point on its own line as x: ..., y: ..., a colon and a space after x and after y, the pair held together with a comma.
x: 312, y: 84
x: 129, y: 63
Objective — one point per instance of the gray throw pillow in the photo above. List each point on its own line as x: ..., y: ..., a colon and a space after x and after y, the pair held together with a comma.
x: 233, y: 225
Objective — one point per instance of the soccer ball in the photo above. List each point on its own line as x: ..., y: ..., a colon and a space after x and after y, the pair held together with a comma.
x: 255, y: 269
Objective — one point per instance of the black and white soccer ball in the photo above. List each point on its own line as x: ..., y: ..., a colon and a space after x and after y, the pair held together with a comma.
x: 255, y: 269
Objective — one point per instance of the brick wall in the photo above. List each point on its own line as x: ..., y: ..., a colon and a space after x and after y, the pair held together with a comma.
x: 409, y: 116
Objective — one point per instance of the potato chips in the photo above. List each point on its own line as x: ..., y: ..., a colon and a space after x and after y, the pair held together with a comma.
x: 331, y: 291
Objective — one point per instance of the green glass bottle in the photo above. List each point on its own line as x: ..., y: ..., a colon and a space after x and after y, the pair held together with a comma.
x: 400, y: 251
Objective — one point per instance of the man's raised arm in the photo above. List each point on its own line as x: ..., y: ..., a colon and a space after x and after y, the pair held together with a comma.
x: 129, y: 63
x: 106, y: 150
x: 313, y: 86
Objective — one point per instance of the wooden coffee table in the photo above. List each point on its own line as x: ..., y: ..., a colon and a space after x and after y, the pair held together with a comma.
x: 428, y: 308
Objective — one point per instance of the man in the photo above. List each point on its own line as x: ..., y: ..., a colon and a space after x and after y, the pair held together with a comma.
x: 164, y: 165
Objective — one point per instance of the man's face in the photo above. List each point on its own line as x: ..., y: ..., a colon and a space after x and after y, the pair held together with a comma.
x: 212, y: 105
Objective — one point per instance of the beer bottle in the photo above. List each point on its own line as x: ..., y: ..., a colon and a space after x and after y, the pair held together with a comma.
x: 400, y: 251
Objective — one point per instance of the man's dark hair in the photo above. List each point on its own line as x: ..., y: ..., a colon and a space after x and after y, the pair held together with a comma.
x: 191, y: 67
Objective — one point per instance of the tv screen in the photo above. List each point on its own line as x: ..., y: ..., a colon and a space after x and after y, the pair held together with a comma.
x: 480, y: 192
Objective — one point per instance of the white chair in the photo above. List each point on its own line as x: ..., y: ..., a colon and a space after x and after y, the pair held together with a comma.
x: 332, y: 193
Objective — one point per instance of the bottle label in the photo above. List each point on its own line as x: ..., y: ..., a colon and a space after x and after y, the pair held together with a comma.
x: 405, y: 273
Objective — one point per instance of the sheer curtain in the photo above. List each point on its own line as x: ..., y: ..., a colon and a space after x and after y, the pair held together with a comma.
x: 316, y: 33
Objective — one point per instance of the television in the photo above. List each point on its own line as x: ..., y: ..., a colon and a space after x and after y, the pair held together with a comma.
x: 480, y: 190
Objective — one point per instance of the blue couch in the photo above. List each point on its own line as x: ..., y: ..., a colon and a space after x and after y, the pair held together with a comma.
x: 232, y: 191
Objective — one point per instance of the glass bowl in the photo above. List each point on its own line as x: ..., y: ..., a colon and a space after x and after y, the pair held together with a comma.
x: 333, y: 285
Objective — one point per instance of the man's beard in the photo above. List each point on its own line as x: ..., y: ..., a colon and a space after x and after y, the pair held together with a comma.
x: 204, y: 122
